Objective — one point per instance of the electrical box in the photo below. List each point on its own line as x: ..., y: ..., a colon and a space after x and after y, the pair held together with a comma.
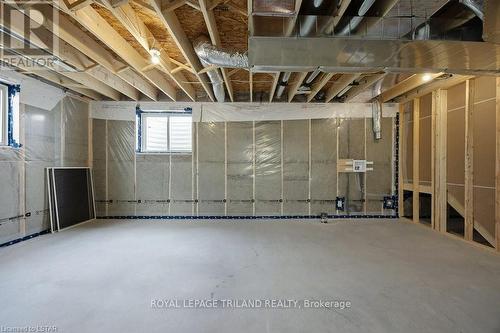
x: 358, y: 166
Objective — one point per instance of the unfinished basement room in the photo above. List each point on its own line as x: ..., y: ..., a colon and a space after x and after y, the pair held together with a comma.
x: 252, y: 166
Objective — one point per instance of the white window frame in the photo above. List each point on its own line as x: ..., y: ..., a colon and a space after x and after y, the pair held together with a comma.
x: 142, y: 132
x: 4, y: 112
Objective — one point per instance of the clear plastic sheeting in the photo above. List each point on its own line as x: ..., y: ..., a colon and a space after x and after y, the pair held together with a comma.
x: 324, y: 165
x: 247, y: 168
x: 267, y: 165
x: 49, y: 137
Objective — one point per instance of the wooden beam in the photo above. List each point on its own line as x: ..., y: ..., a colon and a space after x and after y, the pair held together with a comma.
x: 453, y: 202
x: 319, y: 85
x: 401, y: 159
x: 497, y: 167
x: 98, y: 78
x: 133, y: 23
x: 94, y: 84
x: 250, y: 83
x: 234, y: 7
x: 276, y: 77
x: 293, y: 20
x: 340, y: 13
x: 192, y: 4
x: 79, y: 4
x: 144, y: 4
x: 364, y: 84
x: 416, y: 160
x: 172, y: 5
x: 171, y: 22
x: 250, y: 17
x: 67, y: 83
x: 340, y: 85
x: 208, y: 16
x: 100, y: 28
x: 118, y: 3
x: 440, y: 113
x: 113, y: 81
x: 434, y: 85
x: 215, y: 3
x: 406, y: 85
x: 469, y: 160
x: 292, y: 90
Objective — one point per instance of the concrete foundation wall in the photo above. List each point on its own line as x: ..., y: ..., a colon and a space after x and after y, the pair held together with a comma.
x: 56, y: 137
x: 245, y: 168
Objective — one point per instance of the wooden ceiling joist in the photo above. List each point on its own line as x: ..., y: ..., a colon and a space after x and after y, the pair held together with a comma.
x: 79, y: 4
x: 74, y: 36
x: 406, y: 85
x: 100, y: 28
x: 340, y: 84
x: 316, y: 87
x: 144, y: 4
x: 131, y: 21
x: 434, y: 85
x: 294, y: 87
x: 364, y: 84
x: 208, y: 16
x: 276, y: 77
x: 67, y: 83
x: 100, y: 79
x: 171, y: 22
x: 88, y: 81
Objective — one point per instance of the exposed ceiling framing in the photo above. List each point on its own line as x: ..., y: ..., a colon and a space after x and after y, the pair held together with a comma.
x: 108, y: 44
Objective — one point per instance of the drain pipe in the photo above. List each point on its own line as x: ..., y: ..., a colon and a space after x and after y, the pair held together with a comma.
x: 355, y: 21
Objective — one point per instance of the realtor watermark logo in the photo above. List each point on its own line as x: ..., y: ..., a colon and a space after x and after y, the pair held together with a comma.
x: 28, y: 34
x: 194, y: 303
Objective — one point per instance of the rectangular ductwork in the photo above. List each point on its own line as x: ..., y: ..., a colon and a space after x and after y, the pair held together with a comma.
x: 355, y: 55
x: 491, y: 27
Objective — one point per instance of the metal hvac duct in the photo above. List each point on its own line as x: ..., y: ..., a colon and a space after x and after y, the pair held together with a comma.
x: 461, y: 12
x: 377, y: 117
x: 311, y: 10
x: 282, y: 84
x: 211, y: 55
x: 356, y: 20
x: 213, y: 74
x: 374, y: 10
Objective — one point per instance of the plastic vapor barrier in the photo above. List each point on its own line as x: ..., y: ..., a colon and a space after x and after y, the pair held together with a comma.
x: 48, y: 138
x: 247, y: 168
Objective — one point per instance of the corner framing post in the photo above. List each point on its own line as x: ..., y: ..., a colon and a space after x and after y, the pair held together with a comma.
x: 401, y: 155
x: 469, y: 160
x: 497, y: 167
x: 416, y: 161
x: 440, y: 197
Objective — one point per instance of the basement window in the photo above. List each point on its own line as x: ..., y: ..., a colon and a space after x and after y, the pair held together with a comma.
x: 9, y: 115
x: 164, y: 131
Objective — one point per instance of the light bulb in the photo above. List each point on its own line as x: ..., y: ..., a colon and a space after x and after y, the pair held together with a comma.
x: 427, y: 77
x: 155, y: 56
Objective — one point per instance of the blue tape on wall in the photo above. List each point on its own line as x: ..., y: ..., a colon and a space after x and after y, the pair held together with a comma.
x: 15, y: 241
x: 242, y: 217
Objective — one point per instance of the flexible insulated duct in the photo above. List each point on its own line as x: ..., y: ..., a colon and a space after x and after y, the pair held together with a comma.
x: 212, y: 55
x: 377, y: 117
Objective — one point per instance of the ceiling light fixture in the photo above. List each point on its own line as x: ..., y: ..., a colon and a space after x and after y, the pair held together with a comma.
x: 155, y: 55
x: 427, y: 77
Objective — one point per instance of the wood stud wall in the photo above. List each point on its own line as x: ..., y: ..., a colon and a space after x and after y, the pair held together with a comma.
x: 439, y: 162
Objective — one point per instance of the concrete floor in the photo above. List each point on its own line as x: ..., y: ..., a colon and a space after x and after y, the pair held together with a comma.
x: 102, y: 276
